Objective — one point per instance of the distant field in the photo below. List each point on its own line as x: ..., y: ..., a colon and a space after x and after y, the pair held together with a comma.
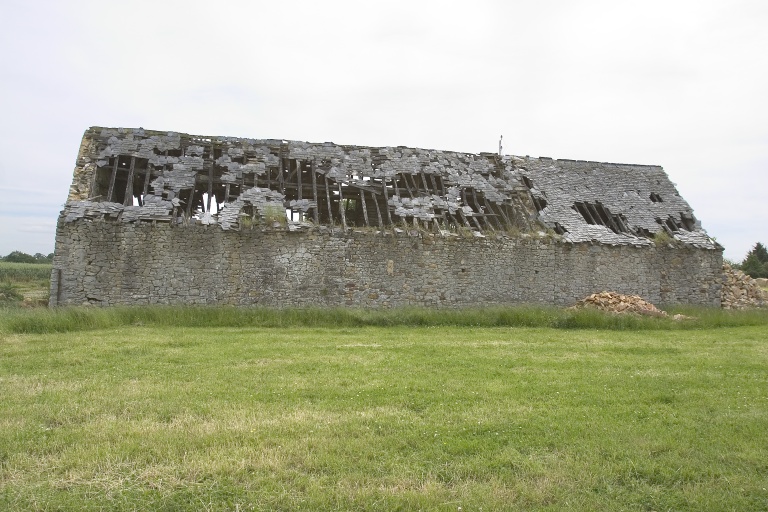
x: 24, y: 280
x: 24, y: 271
x: 383, y: 418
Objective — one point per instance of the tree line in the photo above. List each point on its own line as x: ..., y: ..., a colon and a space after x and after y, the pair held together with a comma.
x: 755, y: 264
x: 22, y: 257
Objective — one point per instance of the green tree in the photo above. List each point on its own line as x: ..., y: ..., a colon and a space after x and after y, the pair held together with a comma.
x: 20, y: 257
x: 756, y: 263
x: 760, y: 251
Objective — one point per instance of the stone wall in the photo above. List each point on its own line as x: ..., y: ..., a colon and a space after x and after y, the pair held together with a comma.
x: 111, y: 263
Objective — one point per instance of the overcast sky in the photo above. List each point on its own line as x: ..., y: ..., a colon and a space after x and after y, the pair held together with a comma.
x: 681, y: 84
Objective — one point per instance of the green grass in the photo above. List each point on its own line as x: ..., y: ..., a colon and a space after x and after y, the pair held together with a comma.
x: 24, y: 280
x: 80, y: 319
x: 9, y: 295
x: 24, y: 272
x: 169, y: 416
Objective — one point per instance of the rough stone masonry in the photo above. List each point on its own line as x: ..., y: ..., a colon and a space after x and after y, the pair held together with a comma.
x: 169, y: 218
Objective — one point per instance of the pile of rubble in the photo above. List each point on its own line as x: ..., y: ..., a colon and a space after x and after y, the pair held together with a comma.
x: 740, y: 291
x: 618, y: 303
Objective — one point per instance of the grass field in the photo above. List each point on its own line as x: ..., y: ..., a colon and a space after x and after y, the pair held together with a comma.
x: 20, y: 281
x: 437, y: 417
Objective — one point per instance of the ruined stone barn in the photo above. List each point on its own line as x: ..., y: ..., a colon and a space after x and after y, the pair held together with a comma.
x: 169, y: 218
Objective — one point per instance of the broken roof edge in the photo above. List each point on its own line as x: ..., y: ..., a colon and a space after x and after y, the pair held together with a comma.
x: 223, y: 139
x: 592, y: 162
x: 133, y: 174
x: 118, y: 214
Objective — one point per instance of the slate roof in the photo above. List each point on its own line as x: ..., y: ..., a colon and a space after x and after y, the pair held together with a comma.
x: 134, y: 175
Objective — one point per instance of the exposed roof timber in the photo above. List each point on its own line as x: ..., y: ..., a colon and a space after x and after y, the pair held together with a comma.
x: 355, y: 185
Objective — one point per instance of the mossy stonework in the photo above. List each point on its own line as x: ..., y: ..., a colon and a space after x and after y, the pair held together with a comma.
x: 168, y: 218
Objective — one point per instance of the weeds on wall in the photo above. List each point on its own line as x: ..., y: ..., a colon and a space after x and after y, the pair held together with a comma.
x: 267, y: 216
x: 246, y: 221
x: 662, y: 238
x: 274, y: 214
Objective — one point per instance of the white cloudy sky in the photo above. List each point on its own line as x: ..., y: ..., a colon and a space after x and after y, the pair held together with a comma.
x: 682, y: 84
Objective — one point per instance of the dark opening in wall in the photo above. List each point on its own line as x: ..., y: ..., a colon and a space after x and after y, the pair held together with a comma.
x: 209, y: 204
x: 137, y: 188
x: 101, y: 183
x: 671, y: 224
x: 688, y: 220
x: 528, y: 182
x: 579, y: 207
x: 111, y: 180
x: 597, y: 214
x: 121, y: 180
x: 643, y: 232
x: 248, y: 211
x: 656, y: 198
x: 185, y: 199
x: 135, y: 180
x: 539, y: 203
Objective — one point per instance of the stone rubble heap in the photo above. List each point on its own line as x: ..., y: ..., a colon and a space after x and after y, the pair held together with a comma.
x: 740, y: 291
x: 617, y: 303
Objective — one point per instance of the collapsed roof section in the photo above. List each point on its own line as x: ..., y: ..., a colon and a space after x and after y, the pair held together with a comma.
x: 610, y: 203
x: 134, y: 175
